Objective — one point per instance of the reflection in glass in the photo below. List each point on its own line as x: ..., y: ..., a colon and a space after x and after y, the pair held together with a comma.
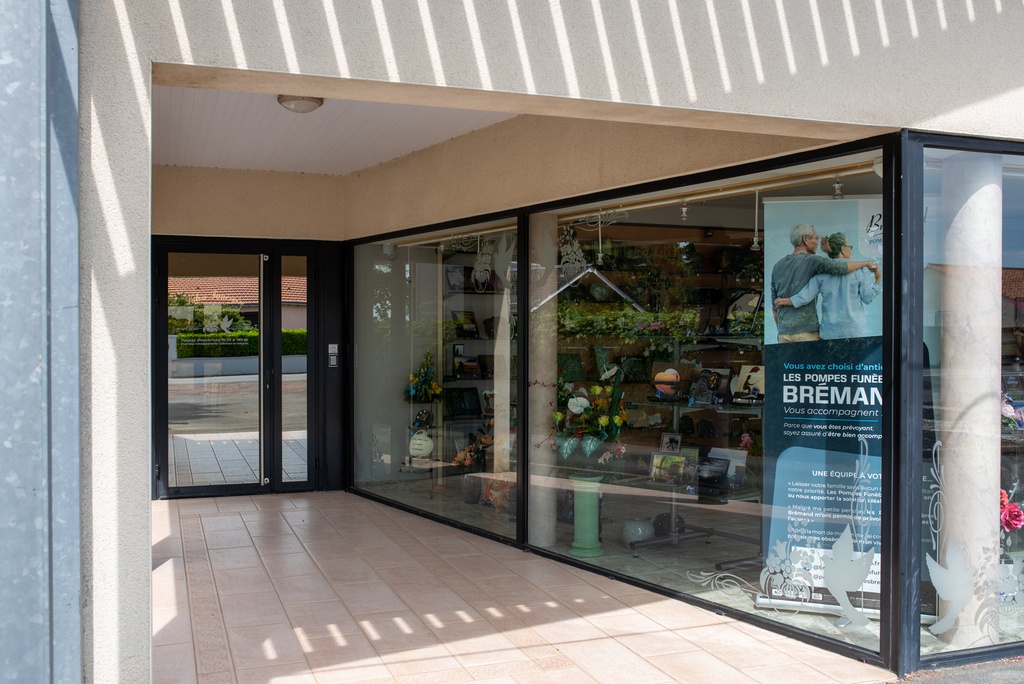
x: 972, y: 593
x: 435, y: 374
x: 213, y: 403
x: 676, y: 435
x: 294, y: 356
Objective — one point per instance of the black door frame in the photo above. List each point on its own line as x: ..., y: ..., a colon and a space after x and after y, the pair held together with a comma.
x: 321, y: 306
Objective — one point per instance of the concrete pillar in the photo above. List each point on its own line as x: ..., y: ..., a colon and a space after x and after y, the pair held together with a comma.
x: 972, y: 211
x: 543, y: 372
x: 39, y: 369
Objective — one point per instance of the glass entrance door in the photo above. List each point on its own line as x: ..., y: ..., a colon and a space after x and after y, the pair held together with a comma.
x: 238, y: 398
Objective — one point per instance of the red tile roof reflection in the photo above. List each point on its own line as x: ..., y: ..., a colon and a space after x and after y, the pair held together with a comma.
x: 238, y: 290
x: 1013, y: 278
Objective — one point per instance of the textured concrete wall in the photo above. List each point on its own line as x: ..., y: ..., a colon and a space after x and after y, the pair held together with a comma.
x: 782, y: 68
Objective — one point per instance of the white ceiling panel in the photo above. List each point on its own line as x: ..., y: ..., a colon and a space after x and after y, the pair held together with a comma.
x: 249, y: 131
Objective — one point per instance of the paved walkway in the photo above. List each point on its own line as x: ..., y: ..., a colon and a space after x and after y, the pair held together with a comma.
x: 330, y: 587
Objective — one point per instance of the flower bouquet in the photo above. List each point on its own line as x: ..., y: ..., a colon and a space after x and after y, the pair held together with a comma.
x: 586, y: 434
x: 423, y: 386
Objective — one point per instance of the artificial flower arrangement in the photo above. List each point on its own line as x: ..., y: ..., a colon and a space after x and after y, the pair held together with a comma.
x: 473, y: 458
x: 423, y: 386
x: 586, y: 434
x: 1011, y: 516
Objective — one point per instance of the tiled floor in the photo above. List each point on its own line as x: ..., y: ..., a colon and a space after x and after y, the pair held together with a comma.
x: 332, y: 587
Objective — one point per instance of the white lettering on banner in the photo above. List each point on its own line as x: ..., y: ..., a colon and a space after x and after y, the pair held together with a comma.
x: 830, y: 394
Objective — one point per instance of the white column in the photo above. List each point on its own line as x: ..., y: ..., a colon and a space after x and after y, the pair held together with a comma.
x: 543, y: 373
x: 970, y: 392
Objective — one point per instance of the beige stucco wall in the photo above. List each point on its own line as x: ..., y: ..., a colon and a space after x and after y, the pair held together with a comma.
x: 770, y: 68
x: 515, y: 163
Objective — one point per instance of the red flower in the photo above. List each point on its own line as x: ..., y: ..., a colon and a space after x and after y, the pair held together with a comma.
x: 1012, y: 517
x: 1003, y: 499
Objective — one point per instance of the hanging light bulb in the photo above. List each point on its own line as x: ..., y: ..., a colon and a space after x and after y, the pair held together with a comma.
x: 682, y: 212
x: 838, y: 187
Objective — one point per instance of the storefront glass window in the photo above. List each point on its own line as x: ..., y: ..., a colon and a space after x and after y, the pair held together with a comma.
x: 435, y: 374
x: 973, y: 545
x: 687, y: 430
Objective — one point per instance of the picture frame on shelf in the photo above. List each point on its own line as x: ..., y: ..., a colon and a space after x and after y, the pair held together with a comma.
x: 748, y: 386
x: 487, y: 398
x: 711, y: 386
x: 459, y: 434
x: 462, y: 402
x: 465, y: 325
x: 466, y: 367
x: 486, y: 362
x: 671, y: 443
x: 678, y: 468
x: 570, y: 368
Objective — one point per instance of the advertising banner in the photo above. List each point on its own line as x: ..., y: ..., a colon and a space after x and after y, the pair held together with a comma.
x: 823, y: 406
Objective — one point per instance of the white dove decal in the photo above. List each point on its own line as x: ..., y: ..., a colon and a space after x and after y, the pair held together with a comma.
x: 844, y: 573
x: 953, y: 583
x: 225, y: 323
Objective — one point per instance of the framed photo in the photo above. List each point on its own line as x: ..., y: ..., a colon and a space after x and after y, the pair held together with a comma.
x: 461, y: 402
x: 466, y: 367
x: 460, y: 434
x: 677, y: 468
x: 465, y: 325
x: 671, y: 442
x: 486, y: 362
x: 457, y: 279
x: 749, y: 384
x: 570, y: 368
x: 711, y: 386
x: 488, y: 396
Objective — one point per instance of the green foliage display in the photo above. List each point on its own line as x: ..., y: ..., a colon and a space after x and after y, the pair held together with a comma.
x: 581, y: 319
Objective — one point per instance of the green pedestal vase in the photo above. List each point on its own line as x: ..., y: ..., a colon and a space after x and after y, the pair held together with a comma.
x: 586, y: 541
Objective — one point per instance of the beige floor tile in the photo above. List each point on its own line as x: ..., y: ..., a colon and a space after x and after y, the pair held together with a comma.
x: 290, y: 565
x: 171, y: 595
x: 273, y: 503
x: 789, y: 674
x: 246, y: 610
x: 240, y: 504
x: 496, y: 671
x: 226, y: 539
x: 441, y: 607
x: 321, y: 619
x: 739, y: 649
x: 420, y: 661
x: 242, y: 581
x: 476, y: 644
x: 845, y: 670
x: 174, y: 664
x: 264, y: 646
x: 396, y: 631
x: 445, y: 545
x: 283, y: 543
x: 267, y: 527
x: 369, y: 535
x: 369, y: 597
x: 411, y: 577
x: 303, y: 589
x: 171, y: 626
x: 556, y: 624
x: 213, y: 523
x: 386, y: 556
x: 168, y: 569
x: 656, y: 643
x: 669, y: 613
x: 304, y: 516
x: 542, y: 573
x: 588, y: 601
x: 609, y: 661
x: 277, y: 674
x: 345, y: 658
x: 197, y: 507
x: 235, y: 558
x: 331, y: 548
x: 478, y: 566
x: 700, y: 667
x: 569, y: 675
x: 168, y: 547
x: 321, y: 531
x: 628, y: 624
x: 347, y: 570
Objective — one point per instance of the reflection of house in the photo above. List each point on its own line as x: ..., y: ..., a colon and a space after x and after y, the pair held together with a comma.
x: 243, y: 293
x: 1012, y: 307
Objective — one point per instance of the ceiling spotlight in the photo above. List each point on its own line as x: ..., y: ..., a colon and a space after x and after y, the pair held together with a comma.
x: 709, y: 233
x: 298, y: 104
x: 682, y: 212
x: 838, y: 187
x: 390, y: 250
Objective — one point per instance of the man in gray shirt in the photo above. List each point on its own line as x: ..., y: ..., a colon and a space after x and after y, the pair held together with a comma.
x: 794, y: 271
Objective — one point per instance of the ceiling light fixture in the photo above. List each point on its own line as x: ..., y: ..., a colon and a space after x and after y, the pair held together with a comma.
x: 298, y: 104
x: 838, y: 187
